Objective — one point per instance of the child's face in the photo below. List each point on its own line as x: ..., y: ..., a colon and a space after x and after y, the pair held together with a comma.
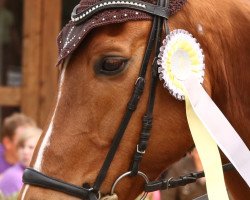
x: 25, y: 152
x: 10, y: 144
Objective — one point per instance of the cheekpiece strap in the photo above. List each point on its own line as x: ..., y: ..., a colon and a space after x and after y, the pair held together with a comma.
x: 82, y: 16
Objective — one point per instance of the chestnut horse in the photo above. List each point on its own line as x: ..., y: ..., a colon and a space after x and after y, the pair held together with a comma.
x: 96, y: 83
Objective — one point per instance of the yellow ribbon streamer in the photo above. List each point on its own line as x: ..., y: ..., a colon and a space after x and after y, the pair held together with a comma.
x: 209, y: 155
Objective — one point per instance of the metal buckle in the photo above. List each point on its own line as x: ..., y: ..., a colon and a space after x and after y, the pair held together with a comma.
x: 138, y: 151
x: 98, y: 194
x: 138, y: 80
x: 168, y: 182
x: 127, y: 174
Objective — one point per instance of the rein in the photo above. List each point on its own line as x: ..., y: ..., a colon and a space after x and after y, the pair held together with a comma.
x: 181, y: 181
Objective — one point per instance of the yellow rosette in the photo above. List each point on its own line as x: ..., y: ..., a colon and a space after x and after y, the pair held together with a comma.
x: 182, y: 59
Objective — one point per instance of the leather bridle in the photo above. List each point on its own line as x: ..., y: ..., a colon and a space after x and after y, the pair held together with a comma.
x: 160, y: 17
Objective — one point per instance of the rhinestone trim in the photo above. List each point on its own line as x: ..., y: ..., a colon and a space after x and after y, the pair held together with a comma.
x: 103, y: 4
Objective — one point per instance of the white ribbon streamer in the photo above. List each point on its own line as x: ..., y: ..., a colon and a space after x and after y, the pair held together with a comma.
x: 219, y: 128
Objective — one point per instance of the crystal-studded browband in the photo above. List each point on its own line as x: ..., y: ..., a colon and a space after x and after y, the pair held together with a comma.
x: 79, y: 18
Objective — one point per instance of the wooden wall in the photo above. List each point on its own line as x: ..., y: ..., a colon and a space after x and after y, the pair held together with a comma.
x: 41, y: 25
x: 42, y: 22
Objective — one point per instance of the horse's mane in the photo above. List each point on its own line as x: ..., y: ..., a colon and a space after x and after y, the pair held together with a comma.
x: 225, y: 39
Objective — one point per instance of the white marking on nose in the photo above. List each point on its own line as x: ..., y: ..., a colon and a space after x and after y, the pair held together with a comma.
x: 24, y: 192
x: 46, y: 142
x: 200, y: 29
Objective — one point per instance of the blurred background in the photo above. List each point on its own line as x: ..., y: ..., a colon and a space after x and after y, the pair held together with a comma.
x: 28, y: 54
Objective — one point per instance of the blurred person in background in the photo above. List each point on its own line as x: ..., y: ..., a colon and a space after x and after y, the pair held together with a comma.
x: 11, y: 180
x: 12, y: 129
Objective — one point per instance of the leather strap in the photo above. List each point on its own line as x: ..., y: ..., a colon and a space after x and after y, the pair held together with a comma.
x: 35, y: 178
x: 139, y: 87
x: 148, y: 117
x: 81, y: 17
x: 181, y: 181
x: 120, y: 132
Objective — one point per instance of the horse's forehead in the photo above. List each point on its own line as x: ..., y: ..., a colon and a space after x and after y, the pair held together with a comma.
x: 114, y: 39
x: 126, y: 32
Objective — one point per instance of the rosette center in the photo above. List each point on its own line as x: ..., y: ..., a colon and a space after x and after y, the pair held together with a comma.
x: 181, y: 64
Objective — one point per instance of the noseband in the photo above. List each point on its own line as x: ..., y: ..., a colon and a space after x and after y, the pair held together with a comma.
x: 160, y: 15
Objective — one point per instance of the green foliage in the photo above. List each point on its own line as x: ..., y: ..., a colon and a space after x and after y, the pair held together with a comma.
x: 12, y: 197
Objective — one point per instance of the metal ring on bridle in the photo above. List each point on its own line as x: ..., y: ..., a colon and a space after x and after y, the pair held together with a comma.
x: 98, y: 194
x: 168, y: 183
x: 127, y: 174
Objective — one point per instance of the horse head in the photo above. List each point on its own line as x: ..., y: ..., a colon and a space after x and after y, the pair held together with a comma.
x: 103, y: 69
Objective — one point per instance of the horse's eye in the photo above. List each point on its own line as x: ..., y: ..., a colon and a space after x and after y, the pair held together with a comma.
x: 111, y: 65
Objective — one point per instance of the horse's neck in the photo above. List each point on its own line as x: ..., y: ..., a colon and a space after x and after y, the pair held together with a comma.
x: 224, y: 36
x: 231, y: 94
x: 230, y: 72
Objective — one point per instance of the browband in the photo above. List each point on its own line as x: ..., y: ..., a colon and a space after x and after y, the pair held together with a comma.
x: 79, y: 18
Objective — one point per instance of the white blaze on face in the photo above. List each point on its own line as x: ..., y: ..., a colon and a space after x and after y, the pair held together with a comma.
x: 45, y: 142
x: 46, y: 139
x: 24, y: 191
